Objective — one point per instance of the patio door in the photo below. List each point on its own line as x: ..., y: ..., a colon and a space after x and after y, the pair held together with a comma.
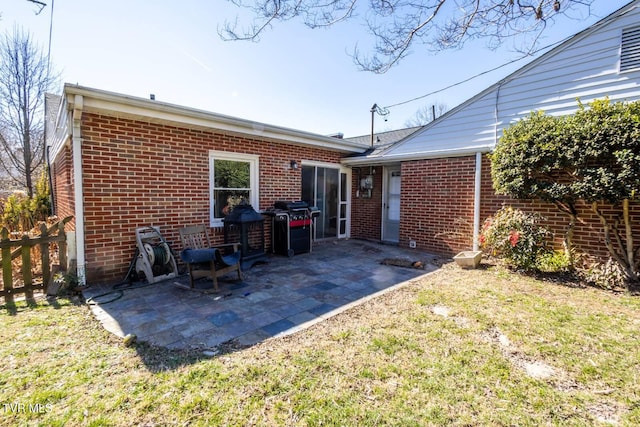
x: 391, y: 206
x: 326, y: 187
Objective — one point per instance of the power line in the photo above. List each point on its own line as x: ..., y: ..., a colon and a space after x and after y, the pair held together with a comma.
x: 50, y: 33
x: 476, y: 76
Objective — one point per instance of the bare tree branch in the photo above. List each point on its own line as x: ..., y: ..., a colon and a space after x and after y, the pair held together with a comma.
x: 24, y: 80
x: 41, y: 5
x: 399, y: 25
x: 426, y: 114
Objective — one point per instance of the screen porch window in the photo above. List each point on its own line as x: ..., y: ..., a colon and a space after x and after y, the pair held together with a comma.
x: 233, y: 178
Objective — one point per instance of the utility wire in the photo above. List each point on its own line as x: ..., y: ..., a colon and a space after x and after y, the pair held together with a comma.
x: 476, y: 76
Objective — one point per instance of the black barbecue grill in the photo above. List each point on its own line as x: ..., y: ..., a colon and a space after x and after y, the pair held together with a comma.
x: 292, y: 228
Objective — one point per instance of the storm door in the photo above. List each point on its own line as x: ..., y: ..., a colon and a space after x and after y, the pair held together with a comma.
x: 391, y: 206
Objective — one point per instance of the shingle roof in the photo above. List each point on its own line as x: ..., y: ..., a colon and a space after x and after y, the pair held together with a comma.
x: 382, y: 141
x: 384, y: 138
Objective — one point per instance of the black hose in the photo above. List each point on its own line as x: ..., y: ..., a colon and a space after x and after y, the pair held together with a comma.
x: 125, y: 284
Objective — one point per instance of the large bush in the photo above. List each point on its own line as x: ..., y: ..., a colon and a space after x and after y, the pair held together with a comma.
x: 516, y: 236
x: 593, y: 156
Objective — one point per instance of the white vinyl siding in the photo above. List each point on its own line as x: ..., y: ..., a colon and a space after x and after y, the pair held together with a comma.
x: 586, y: 67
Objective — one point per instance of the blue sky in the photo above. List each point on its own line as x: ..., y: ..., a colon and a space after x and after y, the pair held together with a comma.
x: 294, y: 77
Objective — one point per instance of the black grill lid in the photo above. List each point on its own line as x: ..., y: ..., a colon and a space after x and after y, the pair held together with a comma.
x: 300, y: 204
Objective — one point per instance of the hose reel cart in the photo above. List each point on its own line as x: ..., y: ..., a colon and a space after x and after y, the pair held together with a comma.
x: 155, y: 259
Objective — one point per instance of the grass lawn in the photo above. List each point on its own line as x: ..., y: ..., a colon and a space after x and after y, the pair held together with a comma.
x: 469, y: 348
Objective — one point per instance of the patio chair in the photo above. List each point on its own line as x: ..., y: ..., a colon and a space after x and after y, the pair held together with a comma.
x: 204, y: 260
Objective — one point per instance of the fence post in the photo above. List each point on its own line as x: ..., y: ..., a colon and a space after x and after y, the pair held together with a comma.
x: 7, y: 276
x: 62, y: 245
x: 44, y: 257
x: 26, y: 267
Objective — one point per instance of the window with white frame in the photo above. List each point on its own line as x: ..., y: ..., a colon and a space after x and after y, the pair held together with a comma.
x: 233, y: 178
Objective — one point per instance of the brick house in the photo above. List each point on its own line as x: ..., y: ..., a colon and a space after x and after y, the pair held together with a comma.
x: 437, y: 181
x: 120, y: 162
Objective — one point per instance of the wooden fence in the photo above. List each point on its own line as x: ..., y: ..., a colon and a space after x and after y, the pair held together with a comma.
x: 52, y: 234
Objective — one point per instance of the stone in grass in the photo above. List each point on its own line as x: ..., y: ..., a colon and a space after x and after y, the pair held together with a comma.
x: 440, y: 310
x: 398, y: 262
x: 211, y: 353
x: 130, y: 339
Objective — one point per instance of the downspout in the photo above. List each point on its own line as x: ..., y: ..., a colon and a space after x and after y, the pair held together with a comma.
x: 77, y: 186
x: 47, y: 156
x: 476, y: 202
x: 478, y: 176
x: 496, y: 114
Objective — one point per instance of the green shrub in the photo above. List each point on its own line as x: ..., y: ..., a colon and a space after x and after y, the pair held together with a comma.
x: 40, y: 203
x: 517, y: 237
x: 553, y: 262
x: 605, y: 275
x: 21, y: 213
x: 16, y: 215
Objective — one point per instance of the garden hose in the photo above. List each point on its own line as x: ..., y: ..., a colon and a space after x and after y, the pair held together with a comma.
x: 118, y: 289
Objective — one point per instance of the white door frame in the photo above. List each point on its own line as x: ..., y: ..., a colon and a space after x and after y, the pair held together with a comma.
x: 341, y: 170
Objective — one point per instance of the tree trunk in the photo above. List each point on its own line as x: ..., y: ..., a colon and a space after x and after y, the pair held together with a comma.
x: 628, y: 232
x: 26, y: 141
x: 567, y: 242
x: 624, y: 254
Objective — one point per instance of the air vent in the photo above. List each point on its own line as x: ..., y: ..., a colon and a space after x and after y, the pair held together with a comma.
x: 630, y: 49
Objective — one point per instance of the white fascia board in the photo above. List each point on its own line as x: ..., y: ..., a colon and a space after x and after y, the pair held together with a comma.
x: 437, y: 154
x: 161, y: 112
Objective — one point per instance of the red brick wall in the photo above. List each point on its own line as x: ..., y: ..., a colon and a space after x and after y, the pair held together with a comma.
x: 139, y: 174
x: 436, y: 196
x: 366, y: 213
x: 437, y: 203
x: 62, y: 174
x: 588, y: 233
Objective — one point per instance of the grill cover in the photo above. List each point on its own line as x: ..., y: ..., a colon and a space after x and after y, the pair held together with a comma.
x: 242, y: 213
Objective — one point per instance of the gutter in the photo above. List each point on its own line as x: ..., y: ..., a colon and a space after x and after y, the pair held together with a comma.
x: 157, y: 111
x: 386, y: 159
x: 78, y: 104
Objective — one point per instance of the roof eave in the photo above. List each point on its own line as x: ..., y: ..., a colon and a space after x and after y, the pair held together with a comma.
x: 162, y: 112
x: 423, y: 155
